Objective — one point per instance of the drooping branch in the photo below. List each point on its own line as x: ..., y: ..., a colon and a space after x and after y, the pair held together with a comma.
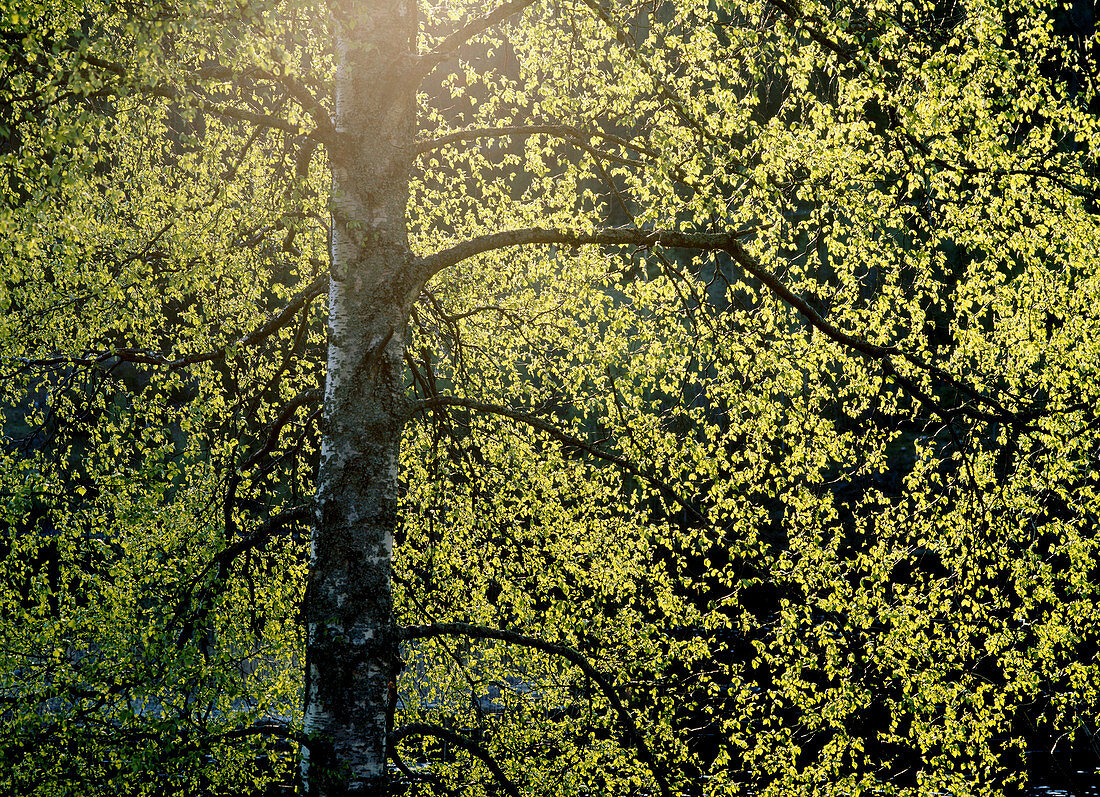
x: 436, y: 402
x: 220, y: 564
x: 438, y: 731
x: 277, y: 731
x: 171, y: 93
x: 141, y: 356
x: 302, y: 399
x: 429, y: 61
x: 324, y: 130
x: 793, y: 12
x: 274, y: 431
x: 574, y: 657
x: 1048, y: 172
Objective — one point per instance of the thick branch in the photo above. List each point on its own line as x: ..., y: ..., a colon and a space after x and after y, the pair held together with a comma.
x: 277, y: 731
x: 297, y: 302
x: 429, y: 777
x: 729, y: 243
x: 625, y: 236
x: 664, y: 487
x: 425, y: 729
x: 294, y: 514
x: 221, y: 561
x: 749, y: 264
x: 318, y: 113
x: 613, y: 236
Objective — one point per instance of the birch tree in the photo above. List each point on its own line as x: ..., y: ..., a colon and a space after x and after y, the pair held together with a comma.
x: 715, y: 382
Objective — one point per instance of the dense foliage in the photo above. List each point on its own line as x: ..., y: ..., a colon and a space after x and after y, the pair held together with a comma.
x: 818, y: 508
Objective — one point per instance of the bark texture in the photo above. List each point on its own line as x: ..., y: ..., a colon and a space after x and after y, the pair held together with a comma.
x: 351, y: 652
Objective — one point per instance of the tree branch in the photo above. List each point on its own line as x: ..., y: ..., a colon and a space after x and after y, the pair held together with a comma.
x: 436, y: 402
x: 225, y: 111
x: 612, y: 236
x: 278, y: 731
x: 299, y: 300
x: 426, y: 729
x: 625, y: 236
x: 221, y: 562
x: 310, y: 104
x: 794, y: 13
x: 429, y: 61
x: 274, y: 323
x: 302, y: 399
x: 569, y: 654
x: 429, y: 777
x: 729, y: 243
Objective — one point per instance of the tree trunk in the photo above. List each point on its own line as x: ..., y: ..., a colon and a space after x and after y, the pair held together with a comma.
x: 351, y: 653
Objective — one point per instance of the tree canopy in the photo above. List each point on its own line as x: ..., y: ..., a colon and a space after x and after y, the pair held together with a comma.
x: 704, y: 402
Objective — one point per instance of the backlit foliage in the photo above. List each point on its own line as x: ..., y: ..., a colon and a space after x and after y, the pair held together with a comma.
x: 855, y: 556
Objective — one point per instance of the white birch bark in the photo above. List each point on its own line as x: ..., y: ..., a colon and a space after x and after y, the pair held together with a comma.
x: 351, y: 655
